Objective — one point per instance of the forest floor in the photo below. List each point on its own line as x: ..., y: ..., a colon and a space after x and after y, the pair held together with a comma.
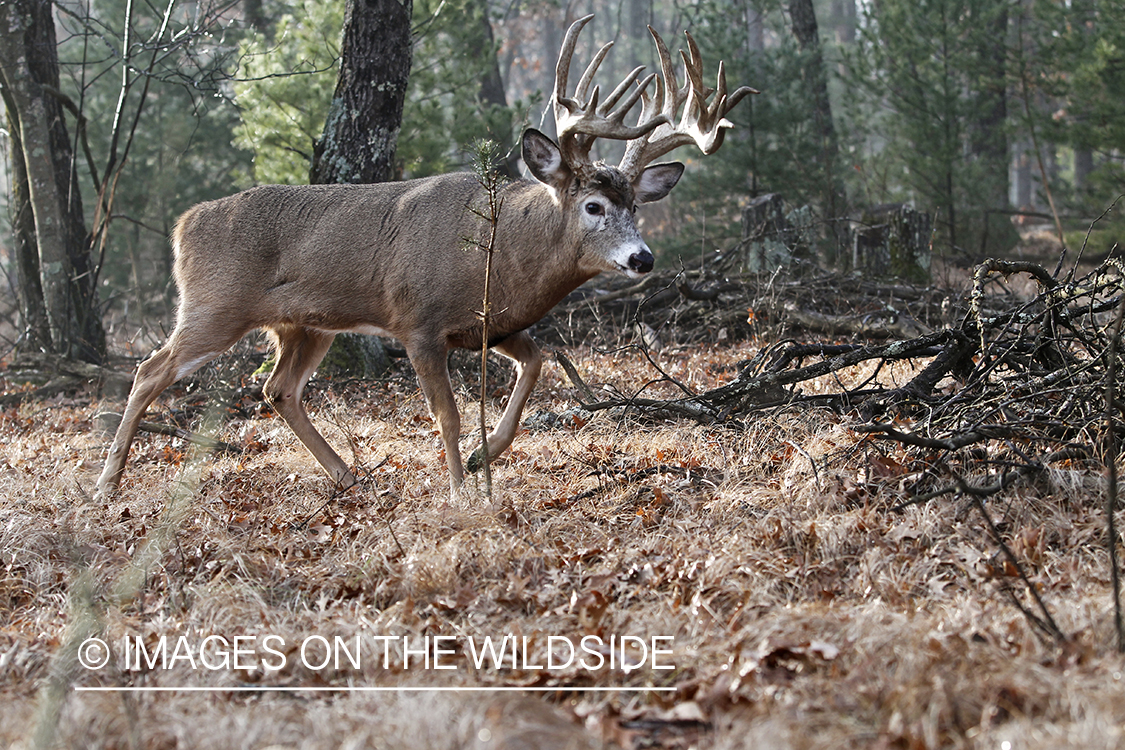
x: 760, y: 581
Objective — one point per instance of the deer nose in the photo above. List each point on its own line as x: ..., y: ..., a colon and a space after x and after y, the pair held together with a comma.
x: 641, y: 261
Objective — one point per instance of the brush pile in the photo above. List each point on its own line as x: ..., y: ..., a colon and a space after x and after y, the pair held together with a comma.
x: 1005, y: 383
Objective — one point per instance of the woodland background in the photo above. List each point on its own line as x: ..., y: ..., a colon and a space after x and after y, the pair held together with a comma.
x: 871, y: 513
x: 976, y: 111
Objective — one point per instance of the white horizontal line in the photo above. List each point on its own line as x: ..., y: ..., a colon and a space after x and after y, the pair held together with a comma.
x: 361, y: 689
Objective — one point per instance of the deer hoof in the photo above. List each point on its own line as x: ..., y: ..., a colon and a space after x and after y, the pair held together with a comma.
x: 475, y: 462
x: 346, y: 482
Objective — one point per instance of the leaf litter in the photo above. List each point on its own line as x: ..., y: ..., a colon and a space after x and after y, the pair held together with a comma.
x: 823, y: 576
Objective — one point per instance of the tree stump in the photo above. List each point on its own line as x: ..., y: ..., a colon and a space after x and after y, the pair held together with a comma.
x: 892, y: 241
x: 771, y: 238
x: 355, y: 355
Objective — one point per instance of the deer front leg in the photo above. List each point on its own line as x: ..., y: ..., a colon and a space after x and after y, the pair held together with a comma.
x: 521, y: 349
x: 432, y: 369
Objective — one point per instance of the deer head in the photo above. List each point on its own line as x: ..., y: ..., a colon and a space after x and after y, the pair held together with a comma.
x: 603, y: 197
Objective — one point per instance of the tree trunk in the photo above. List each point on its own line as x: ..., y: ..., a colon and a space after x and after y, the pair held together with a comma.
x: 803, y: 19
x: 255, y: 17
x: 755, y: 28
x: 29, y: 74
x: 491, y: 85
x: 1025, y: 188
x: 365, y: 117
x: 1085, y: 14
x: 989, y: 143
x: 551, y: 36
x: 493, y: 96
x: 362, y: 128
x: 1083, y: 166
x: 844, y: 20
x: 638, y: 18
x: 35, y: 335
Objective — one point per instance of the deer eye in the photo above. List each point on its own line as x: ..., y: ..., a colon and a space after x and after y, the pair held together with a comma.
x: 594, y: 209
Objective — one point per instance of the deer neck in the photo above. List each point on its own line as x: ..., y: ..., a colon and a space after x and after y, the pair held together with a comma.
x: 537, y: 259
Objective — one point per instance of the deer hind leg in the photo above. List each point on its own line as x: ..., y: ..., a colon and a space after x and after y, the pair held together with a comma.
x: 187, y: 350
x: 299, y: 351
x: 521, y: 349
x: 432, y: 368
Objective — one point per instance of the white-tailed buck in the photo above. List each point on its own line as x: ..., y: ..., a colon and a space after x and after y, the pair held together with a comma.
x: 307, y: 262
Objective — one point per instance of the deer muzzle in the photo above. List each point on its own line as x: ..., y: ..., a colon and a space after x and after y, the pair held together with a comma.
x: 641, y: 261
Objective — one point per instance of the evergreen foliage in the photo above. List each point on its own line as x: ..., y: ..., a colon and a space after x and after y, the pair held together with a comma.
x: 286, y: 79
x: 774, y: 146
x: 1073, y: 65
x: 284, y: 87
x: 934, y: 103
x: 930, y: 64
x: 449, y: 107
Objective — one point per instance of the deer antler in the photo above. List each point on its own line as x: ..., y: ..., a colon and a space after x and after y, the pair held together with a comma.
x: 701, y: 123
x: 581, y: 119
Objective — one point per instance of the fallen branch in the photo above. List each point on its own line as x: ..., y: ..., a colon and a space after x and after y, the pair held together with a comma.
x: 51, y: 388
x: 898, y: 326
x: 62, y: 375
x: 749, y: 389
x: 1044, y: 621
x: 110, y: 420
x: 1111, y: 476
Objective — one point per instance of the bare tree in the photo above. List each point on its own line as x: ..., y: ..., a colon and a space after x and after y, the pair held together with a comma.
x: 58, y: 299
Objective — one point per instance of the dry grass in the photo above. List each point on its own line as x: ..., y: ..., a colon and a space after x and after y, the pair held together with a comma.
x: 805, y: 612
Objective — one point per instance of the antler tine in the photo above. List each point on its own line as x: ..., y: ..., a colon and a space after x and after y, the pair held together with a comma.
x: 580, y: 119
x: 725, y: 103
x: 693, y: 66
x: 739, y: 94
x: 673, y: 95
x: 588, y: 76
x: 562, y: 67
x: 700, y: 122
x: 624, y: 86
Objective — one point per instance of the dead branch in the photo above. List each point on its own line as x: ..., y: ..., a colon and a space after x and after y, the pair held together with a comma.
x: 62, y: 376
x: 898, y: 326
x: 1001, y: 374
x: 1111, y: 475
x: 1044, y: 621
x: 749, y: 390
x: 109, y: 421
x: 51, y: 388
x: 572, y: 373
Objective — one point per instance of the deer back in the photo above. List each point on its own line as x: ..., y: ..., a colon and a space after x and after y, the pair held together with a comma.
x: 399, y: 258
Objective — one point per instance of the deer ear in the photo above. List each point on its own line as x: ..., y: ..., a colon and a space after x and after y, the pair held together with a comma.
x: 657, y: 181
x: 544, y: 159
